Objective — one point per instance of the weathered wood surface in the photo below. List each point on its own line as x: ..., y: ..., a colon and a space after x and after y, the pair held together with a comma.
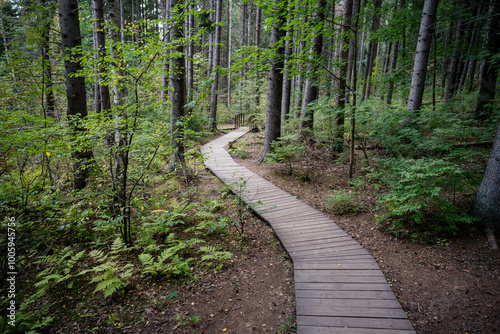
x: 339, y: 287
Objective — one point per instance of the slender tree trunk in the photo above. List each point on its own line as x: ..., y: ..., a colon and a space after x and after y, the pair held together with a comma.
x: 372, y: 50
x: 229, y: 51
x: 311, y: 91
x: 489, y: 71
x: 190, y: 53
x: 275, y: 81
x: 49, y: 107
x: 244, y: 6
x: 257, y: 45
x: 393, y: 66
x: 455, y: 59
x: 75, y: 87
x: 99, y: 35
x: 338, y: 145
x: 422, y: 55
x: 216, y: 53
x: 287, y: 82
x: 178, y: 84
x: 166, y: 57
x: 120, y: 147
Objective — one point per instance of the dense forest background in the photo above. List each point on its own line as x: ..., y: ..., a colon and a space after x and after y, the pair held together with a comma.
x: 104, y: 104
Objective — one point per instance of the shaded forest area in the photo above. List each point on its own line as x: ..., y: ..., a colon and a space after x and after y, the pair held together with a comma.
x: 104, y: 105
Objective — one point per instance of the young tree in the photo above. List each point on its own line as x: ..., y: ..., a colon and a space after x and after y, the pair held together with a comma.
x: 422, y: 55
x: 71, y: 41
x: 275, y: 80
x: 47, y: 13
x: 178, y: 85
x: 216, y: 39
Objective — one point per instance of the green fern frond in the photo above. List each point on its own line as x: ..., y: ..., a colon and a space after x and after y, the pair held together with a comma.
x: 117, y: 246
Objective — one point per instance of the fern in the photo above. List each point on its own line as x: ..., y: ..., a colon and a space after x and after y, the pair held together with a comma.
x: 213, y: 254
x: 110, y: 276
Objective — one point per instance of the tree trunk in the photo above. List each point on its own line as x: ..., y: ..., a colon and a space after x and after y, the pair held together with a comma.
x: 49, y: 108
x: 244, y: 6
x: 422, y: 55
x: 257, y: 45
x: 487, y: 205
x: 287, y: 82
x: 311, y: 91
x: 75, y: 87
x: 275, y: 81
x: 372, y: 50
x: 453, y: 73
x: 489, y: 71
x: 229, y: 50
x: 216, y: 53
x: 190, y: 53
x: 99, y: 36
x: 166, y: 57
x: 338, y: 145
x: 178, y: 84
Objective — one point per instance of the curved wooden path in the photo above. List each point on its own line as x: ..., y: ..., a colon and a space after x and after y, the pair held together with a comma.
x: 339, y: 287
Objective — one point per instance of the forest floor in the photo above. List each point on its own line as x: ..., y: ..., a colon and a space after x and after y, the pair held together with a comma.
x: 446, y: 285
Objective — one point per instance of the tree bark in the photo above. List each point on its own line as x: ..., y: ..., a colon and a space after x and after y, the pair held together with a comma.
x: 258, y: 25
x: 49, y: 107
x: 372, y: 50
x: 178, y: 85
x: 229, y: 50
x: 212, y: 119
x: 453, y: 73
x: 338, y: 145
x: 75, y: 88
x: 489, y: 71
x: 275, y: 81
x: 287, y: 82
x: 422, y: 55
x: 100, y: 45
x: 487, y: 205
x: 311, y: 90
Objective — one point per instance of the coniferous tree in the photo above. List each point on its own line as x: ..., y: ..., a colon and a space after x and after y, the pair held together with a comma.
x: 275, y: 80
x: 71, y: 41
x: 422, y: 55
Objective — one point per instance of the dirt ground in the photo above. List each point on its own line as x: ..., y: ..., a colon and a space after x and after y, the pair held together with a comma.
x: 451, y: 285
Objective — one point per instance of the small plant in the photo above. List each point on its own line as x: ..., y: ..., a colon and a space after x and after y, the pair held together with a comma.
x: 239, y: 188
x: 343, y: 203
x: 110, y: 275
x: 287, y: 149
x: 175, y: 265
x: 418, y: 188
x: 184, y: 320
x: 212, y: 254
x: 287, y: 325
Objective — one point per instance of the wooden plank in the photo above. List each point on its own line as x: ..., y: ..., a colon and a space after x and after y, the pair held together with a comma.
x: 343, y: 286
x: 353, y: 322
x: 348, y: 302
x: 346, y: 272
x: 326, y: 294
x: 302, y: 277
x: 349, y: 312
x: 339, y: 265
x: 349, y: 330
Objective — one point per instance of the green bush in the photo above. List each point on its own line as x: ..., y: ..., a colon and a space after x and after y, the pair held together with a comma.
x: 420, y: 189
x: 343, y: 203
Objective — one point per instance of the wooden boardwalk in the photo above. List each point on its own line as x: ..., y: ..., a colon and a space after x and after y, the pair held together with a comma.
x: 339, y: 287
